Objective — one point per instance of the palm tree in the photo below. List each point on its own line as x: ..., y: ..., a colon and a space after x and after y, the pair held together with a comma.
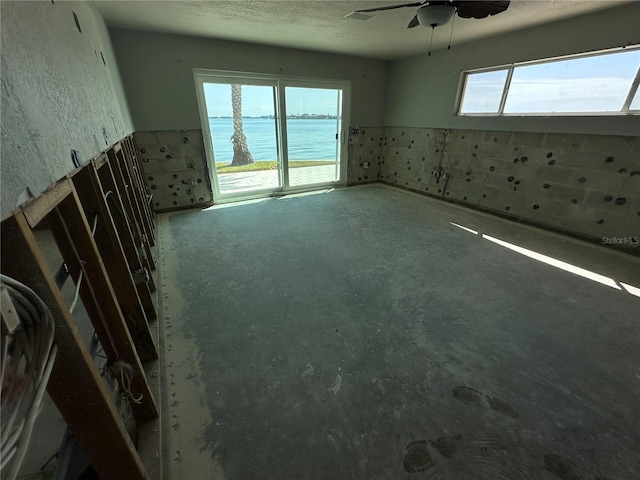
x: 241, y: 153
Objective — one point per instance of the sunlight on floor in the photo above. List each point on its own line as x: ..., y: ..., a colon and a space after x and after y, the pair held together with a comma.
x: 464, y: 228
x: 567, y: 267
x: 631, y: 289
x: 276, y: 196
x: 236, y: 204
x: 554, y: 262
x: 305, y: 194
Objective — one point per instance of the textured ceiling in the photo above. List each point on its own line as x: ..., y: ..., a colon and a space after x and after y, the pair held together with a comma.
x: 320, y: 25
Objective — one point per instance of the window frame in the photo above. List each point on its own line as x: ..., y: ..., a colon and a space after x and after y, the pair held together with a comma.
x: 510, y: 67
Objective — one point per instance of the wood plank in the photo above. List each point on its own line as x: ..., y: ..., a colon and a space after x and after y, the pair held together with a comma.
x: 106, y: 237
x: 80, y: 252
x: 120, y: 168
x: 147, y: 260
x: 135, y: 196
x: 114, y: 202
x: 139, y: 168
x: 131, y: 141
x: 75, y: 386
x: 128, y: 209
x: 100, y: 160
x: 120, y: 189
x: 39, y: 208
x: 140, y: 188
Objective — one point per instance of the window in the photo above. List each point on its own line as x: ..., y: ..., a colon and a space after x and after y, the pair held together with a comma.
x: 602, y: 83
x: 483, y: 92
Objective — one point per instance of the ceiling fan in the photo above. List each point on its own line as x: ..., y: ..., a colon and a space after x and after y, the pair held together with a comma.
x: 435, y: 13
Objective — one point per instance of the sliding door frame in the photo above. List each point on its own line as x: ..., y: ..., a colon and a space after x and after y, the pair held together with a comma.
x: 213, y: 76
x: 279, y: 82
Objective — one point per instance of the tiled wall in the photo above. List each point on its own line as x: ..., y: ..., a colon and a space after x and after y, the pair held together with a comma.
x: 584, y: 184
x: 175, y: 167
x: 365, y: 154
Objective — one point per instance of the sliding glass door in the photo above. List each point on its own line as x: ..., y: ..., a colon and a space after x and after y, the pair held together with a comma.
x: 266, y: 135
x: 241, y: 122
x: 313, y: 125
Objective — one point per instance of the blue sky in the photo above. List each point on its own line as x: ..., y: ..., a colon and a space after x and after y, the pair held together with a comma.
x: 258, y: 100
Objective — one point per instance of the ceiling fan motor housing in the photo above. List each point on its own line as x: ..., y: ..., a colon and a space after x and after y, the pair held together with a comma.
x: 434, y: 15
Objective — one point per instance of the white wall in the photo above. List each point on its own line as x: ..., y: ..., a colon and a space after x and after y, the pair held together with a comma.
x: 57, y: 94
x: 422, y: 90
x: 157, y: 72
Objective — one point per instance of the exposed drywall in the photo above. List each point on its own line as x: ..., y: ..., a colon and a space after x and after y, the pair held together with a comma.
x: 422, y: 89
x: 175, y: 168
x: 157, y: 72
x: 583, y: 184
x: 60, y: 92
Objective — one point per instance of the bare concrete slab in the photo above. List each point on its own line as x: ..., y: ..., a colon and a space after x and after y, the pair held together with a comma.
x: 359, y: 333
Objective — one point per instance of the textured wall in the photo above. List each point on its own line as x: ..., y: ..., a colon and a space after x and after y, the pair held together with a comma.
x: 422, y: 89
x: 584, y: 184
x: 157, y: 72
x: 60, y: 91
x: 175, y: 167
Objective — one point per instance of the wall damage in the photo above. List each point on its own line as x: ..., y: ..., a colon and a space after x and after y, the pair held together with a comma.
x: 588, y: 185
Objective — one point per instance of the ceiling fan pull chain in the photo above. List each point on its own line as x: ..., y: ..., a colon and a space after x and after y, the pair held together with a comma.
x: 451, y: 33
x: 431, y: 41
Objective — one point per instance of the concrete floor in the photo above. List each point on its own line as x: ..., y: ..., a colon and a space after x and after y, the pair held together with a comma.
x: 359, y: 334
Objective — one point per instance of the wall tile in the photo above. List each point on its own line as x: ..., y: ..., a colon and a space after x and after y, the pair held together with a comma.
x: 584, y: 184
x: 175, y: 167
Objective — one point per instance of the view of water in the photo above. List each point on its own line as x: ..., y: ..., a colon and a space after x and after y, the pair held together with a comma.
x: 308, y: 139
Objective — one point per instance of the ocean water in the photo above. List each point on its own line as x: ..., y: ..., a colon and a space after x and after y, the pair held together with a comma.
x: 308, y: 139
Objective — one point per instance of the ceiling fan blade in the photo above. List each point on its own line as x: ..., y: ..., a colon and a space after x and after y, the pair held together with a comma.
x: 476, y: 9
x: 389, y: 7
x: 414, y: 22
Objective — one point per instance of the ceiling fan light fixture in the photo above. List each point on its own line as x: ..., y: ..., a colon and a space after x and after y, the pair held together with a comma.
x: 435, y: 15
